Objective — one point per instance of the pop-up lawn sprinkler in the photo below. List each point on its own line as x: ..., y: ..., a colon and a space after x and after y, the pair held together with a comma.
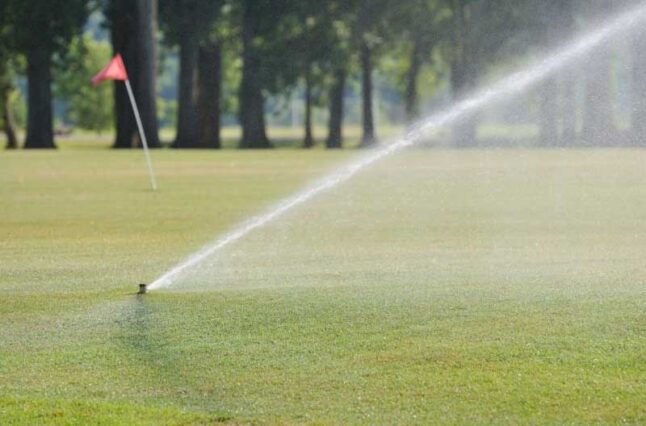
x: 142, y: 289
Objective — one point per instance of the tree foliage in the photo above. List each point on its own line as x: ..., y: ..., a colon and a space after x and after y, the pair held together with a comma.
x: 89, y: 107
x: 46, y: 24
x: 41, y: 29
x: 235, y: 54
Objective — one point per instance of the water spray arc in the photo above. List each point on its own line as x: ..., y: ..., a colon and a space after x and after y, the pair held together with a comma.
x: 504, y: 89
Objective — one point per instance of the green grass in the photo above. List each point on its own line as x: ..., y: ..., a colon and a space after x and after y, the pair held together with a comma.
x: 281, y: 137
x: 489, y: 134
x: 459, y: 287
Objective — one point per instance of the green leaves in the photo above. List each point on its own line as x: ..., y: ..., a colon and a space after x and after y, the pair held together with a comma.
x: 88, y: 107
x: 46, y: 24
x: 188, y: 18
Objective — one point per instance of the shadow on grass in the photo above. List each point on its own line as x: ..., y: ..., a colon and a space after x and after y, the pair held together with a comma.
x: 156, y: 369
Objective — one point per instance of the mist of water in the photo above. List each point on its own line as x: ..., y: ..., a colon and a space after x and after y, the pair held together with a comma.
x: 504, y: 89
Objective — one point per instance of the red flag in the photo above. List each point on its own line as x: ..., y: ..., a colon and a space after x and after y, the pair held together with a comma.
x: 115, y: 70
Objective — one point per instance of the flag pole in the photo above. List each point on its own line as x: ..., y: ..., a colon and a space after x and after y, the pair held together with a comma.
x: 144, y: 142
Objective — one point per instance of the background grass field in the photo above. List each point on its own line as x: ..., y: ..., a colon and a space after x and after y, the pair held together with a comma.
x: 441, y: 286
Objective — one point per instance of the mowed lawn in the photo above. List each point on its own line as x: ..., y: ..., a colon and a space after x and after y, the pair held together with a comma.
x: 502, y: 286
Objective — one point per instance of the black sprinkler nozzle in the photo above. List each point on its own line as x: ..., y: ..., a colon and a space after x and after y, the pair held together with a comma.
x: 142, y: 289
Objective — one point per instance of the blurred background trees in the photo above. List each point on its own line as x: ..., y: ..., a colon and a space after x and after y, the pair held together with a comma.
x: 133, y: 31
x: 40, y: 30
x: 189, y: 24
x: 87, y: 107
x: 200, y: 66
x: 6, y: 78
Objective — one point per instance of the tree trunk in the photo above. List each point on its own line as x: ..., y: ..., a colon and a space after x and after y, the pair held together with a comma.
x: 308, y: 140
x: 209, y: 95
x: 145, y: 79
x: 548, y: 113
x: 335, y: 125
x: 598, y: 125
x: 133, y: 36
x: 8, y: 121
x: 555, y: 26
x: 638, y: 110
x: 368, y: 138
x: 569, y: 79
x: 557, y: 94
x: 40, y: 125
x: 463, y: 78
x: 252, y: 103
x: 123, y: 27
x: 412, y: 107
x: 187, y: 115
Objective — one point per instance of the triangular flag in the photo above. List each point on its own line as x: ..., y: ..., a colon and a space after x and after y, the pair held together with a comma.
x: 115, y: 70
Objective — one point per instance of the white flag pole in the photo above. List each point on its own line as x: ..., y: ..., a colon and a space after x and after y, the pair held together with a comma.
x: 144, y: 142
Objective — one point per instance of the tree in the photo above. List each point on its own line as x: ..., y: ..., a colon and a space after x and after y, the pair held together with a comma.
x: 252, y: 103
x: 6, y: 79
x: 133, y: 25
x: 43, y: 28
x: 479, y: 34
x: 557, y: 93
x: 313, y: 37
x: 464, y: 62
x: 549, y: 32
x: 372, y: 28
x: 314, y: 50
x: 598, y: 114
x: 187, y: 23
x: 7, y: 118
x: 569, y: 79
x: 335, y: 125
x: 212, y: 70
x: 209, y: 94
x: 312, y: 40
x: 418, y: 24
x: 638, y: 87
x: 368, y: 40
x: 544, y: 27
x: 638, y: 100
x: 342, y: 19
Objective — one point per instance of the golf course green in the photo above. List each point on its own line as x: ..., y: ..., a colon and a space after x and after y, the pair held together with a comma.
x: 440, y: 286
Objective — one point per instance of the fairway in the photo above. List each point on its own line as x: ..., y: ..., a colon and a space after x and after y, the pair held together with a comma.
x: 457, y: 286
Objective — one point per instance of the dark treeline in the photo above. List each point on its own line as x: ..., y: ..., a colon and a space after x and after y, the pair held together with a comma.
x: 318, y: 46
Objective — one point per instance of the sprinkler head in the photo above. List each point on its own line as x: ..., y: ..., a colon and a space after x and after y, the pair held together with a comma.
x: 142, y: 289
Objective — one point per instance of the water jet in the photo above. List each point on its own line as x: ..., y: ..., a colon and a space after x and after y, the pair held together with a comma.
x: 495, y: 93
